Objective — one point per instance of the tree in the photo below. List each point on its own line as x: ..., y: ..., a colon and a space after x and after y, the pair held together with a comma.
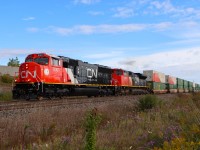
x: 14, y: 62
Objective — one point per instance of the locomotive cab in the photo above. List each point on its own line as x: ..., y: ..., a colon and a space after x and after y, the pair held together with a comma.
x: 41, y: 68
x: 37, y: 73
x: 121, y: 78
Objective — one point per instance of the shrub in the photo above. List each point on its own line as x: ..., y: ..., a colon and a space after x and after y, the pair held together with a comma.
x: 147, y: 102
x: 179, y: 143
x: 6, y: 96
x: 6, y: 78
x: 92, y: 120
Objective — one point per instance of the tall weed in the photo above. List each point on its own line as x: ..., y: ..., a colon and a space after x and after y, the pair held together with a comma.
x: 148, y: 102
x: 5, y: 96
x: 92, y: 121
x: 6, y: 78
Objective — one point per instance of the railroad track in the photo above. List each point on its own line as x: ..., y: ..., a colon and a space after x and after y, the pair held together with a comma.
x: 6, y: 106
x: 17, y: 105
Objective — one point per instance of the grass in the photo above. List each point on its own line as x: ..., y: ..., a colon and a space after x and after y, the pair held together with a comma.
x: 173, y: 124
x: 5, y: 96
x: 5, y: 87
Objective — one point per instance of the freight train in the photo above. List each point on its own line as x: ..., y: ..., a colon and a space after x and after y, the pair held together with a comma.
x: 44, y: 75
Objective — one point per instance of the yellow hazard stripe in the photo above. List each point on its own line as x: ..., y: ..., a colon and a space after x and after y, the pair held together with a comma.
x: 105, y: 85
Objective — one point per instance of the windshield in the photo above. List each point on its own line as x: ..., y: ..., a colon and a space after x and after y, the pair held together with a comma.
x: 42, y: 61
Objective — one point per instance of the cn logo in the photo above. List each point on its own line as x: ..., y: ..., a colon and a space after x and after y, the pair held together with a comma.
x: 91, y: 73
x: 25, y: 74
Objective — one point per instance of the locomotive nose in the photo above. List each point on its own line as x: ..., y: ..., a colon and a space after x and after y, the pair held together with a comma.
x: 28, y: 72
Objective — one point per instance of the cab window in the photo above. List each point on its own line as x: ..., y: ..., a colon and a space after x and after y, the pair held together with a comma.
x: 125, y: 73
x: 119, y: 72
x: 29, y: 60
x: 39, y: 60
x: 55, y: 62
x: 42, y: 61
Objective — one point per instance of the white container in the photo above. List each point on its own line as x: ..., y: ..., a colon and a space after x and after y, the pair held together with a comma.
x: 170, y: 79
x: 154, y: 76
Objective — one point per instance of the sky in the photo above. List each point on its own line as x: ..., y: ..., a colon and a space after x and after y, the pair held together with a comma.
x: 135, y: 35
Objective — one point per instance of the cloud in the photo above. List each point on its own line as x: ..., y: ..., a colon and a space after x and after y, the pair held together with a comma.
x: 28, y: 18
x: 98, y: 29
x: 162, y: 26
x: 123, y: 12
x: 16, y: 52
x: 182, y: 63
x: 32, y: 29
x: 177, y: 30
x: 86, y: 1
x: 96, y: 13
x: 164, y: 8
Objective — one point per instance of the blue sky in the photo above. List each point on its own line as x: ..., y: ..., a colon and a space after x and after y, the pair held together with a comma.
x: 136, y: 35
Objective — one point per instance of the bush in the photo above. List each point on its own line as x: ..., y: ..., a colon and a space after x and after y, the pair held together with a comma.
x: 6, y: 96
x: 147, y: 102
x: 179, y: 143
x: 6, y: 78
x: 92, y: 121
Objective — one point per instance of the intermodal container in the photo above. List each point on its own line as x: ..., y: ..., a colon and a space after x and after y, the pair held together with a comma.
x: 197, y: 87
x: 154, y: 76
x: 186, y: 85
x: 157, y: 87
x: 190, y: 86
x: 171, y: 84
x: 179, y: 85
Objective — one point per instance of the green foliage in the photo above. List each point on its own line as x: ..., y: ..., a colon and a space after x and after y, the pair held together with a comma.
x: 173, y: 125
x: 6, y: 96
x: 179, y: 144
x: 14, y: 62
x: 6, y: 78
x: 92, y: 121
x: 147, y: 102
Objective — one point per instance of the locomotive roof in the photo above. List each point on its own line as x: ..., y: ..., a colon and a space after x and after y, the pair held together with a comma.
x: 102, y: 66
x: 141, y: 76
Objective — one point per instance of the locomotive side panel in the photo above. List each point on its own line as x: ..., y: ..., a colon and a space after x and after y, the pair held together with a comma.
x: 104, y: 75
x: 88, y: 73
x: 121, y: 78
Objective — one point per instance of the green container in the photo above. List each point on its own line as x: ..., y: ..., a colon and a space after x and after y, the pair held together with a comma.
x: 171, y: 86
x: 185, y: 84
x: 180, y: 83
x: 198, y: 87
x: 156, y: 85
x: 190, y: 86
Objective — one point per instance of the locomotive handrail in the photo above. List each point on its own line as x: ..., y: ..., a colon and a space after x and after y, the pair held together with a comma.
x: 39, y: 81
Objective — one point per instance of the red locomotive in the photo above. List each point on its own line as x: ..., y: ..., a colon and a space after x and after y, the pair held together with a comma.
x: 43, y: 75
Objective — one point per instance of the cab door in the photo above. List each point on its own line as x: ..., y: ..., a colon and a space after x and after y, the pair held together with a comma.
x: 56, y: 73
